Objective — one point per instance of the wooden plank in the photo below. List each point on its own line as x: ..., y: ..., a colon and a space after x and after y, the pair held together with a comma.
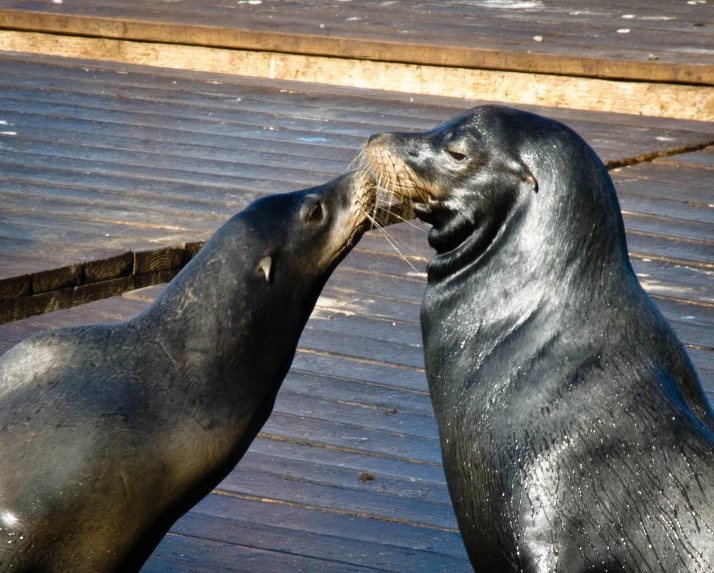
x: 372, y: 503
x: 363, y: 347
x: 108, y: 268
x: 703, y: 360
x: 164, y: 565
x: 334, y: 546
x: 663, y: 248
x: 234, y: 112
x: 615, y: 145
x: 56, y: 279
x: 176, y: 169
x: 674, y: 184
x: 670, y: 100
x: 437, y: 542
x: 353, y: 369
x: 234, y: 150
x: 229, y: 197
x: 352, y: 438
x: 331, y: 319
x: 388, y: 418
x: 17, y: 285
x: 15, y: 309
x: 704, y: 159
x: 358, y: 462
x: 477, y: 37
x: 332, y: 472
x: 270, y: 103
x: 312, y: 99
x: 682, y: 282
x: 227, y: 556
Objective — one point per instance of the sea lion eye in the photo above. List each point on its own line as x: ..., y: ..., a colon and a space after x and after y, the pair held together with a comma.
x: 315, y: 214
x: 456, y: 155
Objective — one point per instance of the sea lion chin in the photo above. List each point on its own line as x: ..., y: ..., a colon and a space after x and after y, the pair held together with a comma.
x: 575, y: 433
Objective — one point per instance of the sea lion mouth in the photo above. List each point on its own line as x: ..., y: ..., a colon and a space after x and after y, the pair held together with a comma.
x: 394, y: 177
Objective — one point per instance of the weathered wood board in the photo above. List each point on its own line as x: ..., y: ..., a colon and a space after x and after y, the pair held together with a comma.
x: 648, y: 58
x: 346, y: 474
x: 111, y: 174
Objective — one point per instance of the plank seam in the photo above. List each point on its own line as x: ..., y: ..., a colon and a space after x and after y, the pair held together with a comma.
x: 333, y: 510
x: 613, y: 164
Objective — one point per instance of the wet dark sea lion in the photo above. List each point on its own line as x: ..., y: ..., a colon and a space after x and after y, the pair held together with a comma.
x: 108, y: 434
x: 574, y: 430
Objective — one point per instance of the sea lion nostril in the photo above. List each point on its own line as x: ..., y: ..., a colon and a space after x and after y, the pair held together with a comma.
x: 377, y: 138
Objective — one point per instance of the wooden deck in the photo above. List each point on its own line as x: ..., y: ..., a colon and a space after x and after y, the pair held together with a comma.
x: 346, y: 474
x: 647, y: 57
x: 112, y: 174
x: 646, y: 40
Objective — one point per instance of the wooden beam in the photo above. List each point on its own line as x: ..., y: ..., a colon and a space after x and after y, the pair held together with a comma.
x: 54, y: 289
x: 403, y: 51
x: 644, y: 98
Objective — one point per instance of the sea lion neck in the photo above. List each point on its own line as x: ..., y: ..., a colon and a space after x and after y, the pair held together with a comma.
x: 465, y: 230
x: 235, y: 298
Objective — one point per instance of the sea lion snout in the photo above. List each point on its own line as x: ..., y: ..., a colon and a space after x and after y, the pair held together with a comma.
x: 340, y: 209
x: 400, y: 164
x: 377, y: 138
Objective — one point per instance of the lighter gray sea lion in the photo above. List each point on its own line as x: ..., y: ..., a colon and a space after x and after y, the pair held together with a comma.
x: 108, y: 434
x: 574, y: 431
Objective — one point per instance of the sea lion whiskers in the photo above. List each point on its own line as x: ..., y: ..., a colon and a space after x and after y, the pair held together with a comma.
x: 394, y: 176
x: 381, y: 192
x: 392, y: 241
x: 371, y: 211
x: 381, y: 220
x: 358, y: 162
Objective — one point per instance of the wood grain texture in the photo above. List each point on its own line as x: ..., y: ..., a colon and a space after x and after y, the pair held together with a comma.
x: 683, y: 101
x: 131, y: 168
x: 346, y: 474
x: 648, y: 41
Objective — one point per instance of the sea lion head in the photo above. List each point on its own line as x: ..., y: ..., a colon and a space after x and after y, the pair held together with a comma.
x: 244, y: 299
x: 300, y: 237
x: 494, y: 176
x: 264, y: 269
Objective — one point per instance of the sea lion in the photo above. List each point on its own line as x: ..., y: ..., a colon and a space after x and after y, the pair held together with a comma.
x: 108, y: 434
x: 574, y: 431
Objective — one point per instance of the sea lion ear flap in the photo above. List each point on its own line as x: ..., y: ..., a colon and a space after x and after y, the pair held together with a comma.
x: 265, y: 266
x: 527, y: 177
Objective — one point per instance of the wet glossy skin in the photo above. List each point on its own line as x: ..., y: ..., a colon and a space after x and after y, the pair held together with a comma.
x: 108, y: 434
x: 574, y: 431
